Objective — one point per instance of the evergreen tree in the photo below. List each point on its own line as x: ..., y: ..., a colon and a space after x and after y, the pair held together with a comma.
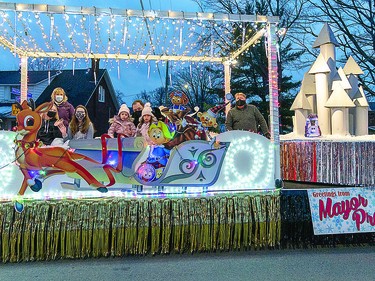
x: 250, y: 73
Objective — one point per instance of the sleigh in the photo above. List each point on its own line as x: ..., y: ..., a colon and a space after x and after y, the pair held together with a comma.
x: 234, y: 160
x: 192, y: 163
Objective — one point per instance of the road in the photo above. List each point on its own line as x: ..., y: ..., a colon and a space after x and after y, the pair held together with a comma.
x: 350, y: 263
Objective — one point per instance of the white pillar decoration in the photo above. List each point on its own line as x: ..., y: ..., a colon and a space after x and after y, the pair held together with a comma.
x: 227, y: 83
x: 301, y: 107
x: 361, y: 113
x: 340, y: 119
x: 322, y: 95
x: 300, y: 116
x: 329, y: 53
x: 312, y: 100
x: 361, y: 120
x: 274, y: 95
x: 23, y: 79
x: 352, y: 121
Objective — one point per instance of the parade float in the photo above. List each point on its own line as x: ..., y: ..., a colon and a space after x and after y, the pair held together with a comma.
x: 117, y: 196
x: 120, y: 196
x: 330, y: 152
x: 340, y: 152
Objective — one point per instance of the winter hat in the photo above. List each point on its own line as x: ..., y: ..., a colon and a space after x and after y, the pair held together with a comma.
x: 123, y: 108
x: 147, y: 110
x: 213, y: 111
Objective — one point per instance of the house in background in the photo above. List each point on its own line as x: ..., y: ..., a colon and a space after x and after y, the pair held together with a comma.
x: 89, y: 87
x: 10, y: 85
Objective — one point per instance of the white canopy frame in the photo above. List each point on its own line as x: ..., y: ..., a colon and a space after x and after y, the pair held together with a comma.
x: 13, y: 43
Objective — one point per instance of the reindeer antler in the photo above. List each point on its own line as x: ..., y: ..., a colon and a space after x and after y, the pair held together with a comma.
x: 32, y: 104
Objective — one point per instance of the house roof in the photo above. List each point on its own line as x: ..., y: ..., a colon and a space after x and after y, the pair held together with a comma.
x: 5, y: 110
x: 79, y: 91
x: 34, y: 77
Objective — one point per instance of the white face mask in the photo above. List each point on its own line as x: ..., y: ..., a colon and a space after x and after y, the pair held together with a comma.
x: 59, y: 98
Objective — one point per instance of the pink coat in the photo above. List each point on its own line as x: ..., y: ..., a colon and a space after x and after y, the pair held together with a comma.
x: 119, y: 126
x: 142, y: 131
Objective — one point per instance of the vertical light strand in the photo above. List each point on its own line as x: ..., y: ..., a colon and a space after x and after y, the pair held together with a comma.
x: 274, y: 94
x: 118, y: 69
x: 23, y: 79
x: 125, y: 31
x: 181, y: 27
x: 52, y: 26
x: 243, y: 33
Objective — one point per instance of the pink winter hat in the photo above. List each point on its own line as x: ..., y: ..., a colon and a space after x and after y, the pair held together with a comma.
x: 123, y: 108
x: 147, y: 110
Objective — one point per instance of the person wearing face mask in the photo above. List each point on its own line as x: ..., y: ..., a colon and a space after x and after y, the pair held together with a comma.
x: 246, y: 117
x: 64, y: 108
x: 137, y: 107
x: 80, y: 127
x: 49, y: 131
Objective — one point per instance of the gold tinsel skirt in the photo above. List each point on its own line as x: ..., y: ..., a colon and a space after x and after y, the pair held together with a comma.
x: 84, y: 228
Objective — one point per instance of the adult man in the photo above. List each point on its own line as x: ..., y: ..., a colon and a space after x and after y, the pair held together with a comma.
x: 246, y: 117
x: 137, y: 107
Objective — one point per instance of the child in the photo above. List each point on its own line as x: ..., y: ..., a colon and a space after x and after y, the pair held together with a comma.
x: 146, y: 120
x: 80, y: 127
x: 122, y: 123
x: 49, y: 131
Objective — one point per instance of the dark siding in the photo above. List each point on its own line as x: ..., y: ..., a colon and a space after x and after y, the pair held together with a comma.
x: 100, y: 112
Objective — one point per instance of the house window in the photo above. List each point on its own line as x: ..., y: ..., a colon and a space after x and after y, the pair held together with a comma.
x: 101, y: 94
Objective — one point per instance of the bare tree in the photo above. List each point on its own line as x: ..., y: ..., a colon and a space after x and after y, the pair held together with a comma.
x: 353, y: 23
x: 202, y: 85
x: 120, y: 96
x: 155, y: 97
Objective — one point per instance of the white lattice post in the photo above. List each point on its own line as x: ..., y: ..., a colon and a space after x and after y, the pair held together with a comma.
x: 227, y: 83
x: 274, y: 95
x: 23, y: 79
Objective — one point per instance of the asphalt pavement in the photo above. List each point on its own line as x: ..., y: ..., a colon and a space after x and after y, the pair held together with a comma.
x: 349, y: 263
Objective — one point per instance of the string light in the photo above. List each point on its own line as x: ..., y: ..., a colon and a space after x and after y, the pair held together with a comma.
x: 125, y: 34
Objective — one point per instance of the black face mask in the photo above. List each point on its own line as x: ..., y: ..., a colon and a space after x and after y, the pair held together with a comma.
x: 51, y: 114
x: 137, y: 114
x: 240, y: 102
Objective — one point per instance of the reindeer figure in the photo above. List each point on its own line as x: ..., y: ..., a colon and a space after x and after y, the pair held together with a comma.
x: 32, y: 157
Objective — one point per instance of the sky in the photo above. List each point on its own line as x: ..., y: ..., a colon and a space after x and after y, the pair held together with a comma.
x: 132, y: 78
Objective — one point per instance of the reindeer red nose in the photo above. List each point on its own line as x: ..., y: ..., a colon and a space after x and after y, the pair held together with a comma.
x: 14, y: 129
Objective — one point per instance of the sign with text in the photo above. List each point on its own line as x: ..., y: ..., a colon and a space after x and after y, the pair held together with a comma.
x: 342, y: 210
